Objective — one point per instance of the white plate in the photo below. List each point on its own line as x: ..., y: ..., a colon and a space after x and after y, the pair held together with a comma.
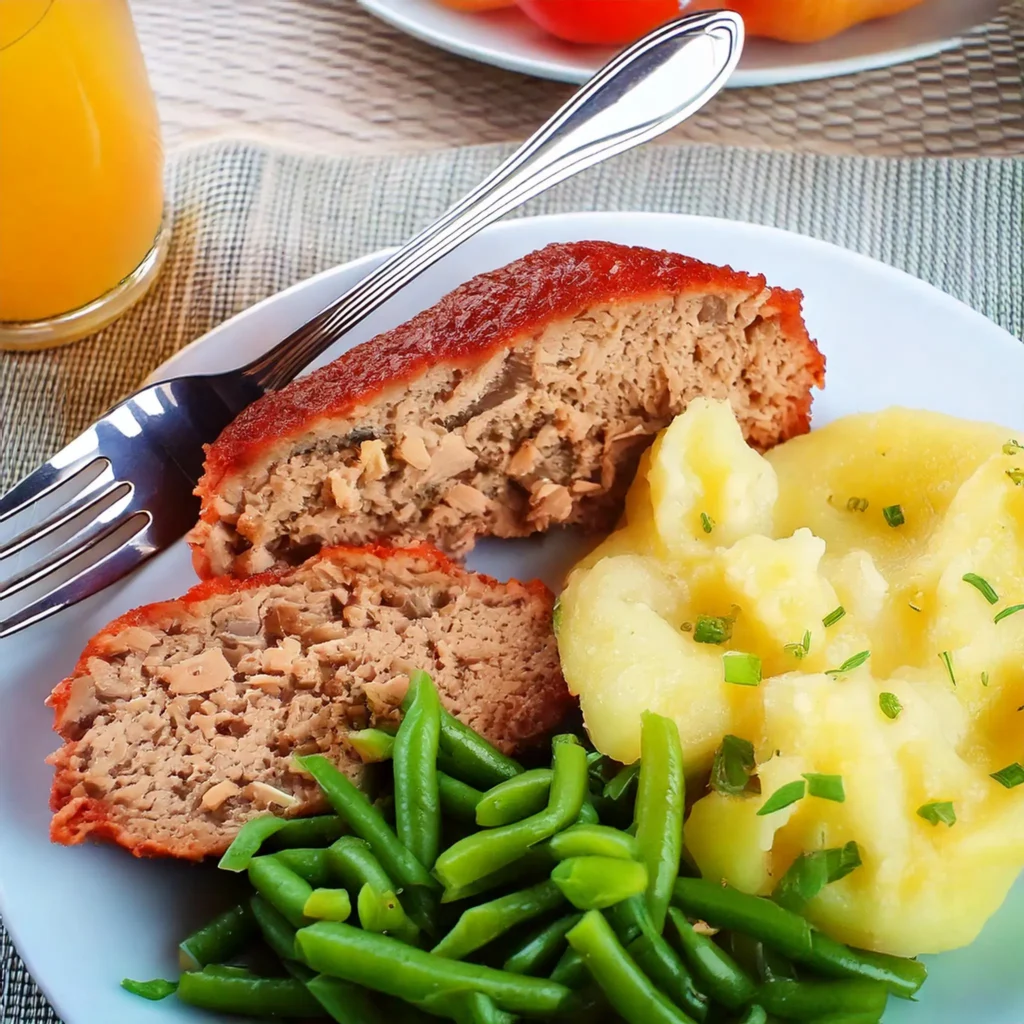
x: 508, y: 39
x: 85, y: 917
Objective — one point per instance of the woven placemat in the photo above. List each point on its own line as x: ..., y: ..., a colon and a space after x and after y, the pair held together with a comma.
x: 327, y: 75
x: 249, y: 221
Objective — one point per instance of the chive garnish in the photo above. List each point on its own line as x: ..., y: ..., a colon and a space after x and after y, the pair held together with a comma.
x: 984, y: 679
x: 811, y: 872
x: 741, y: 669
x: 1016, y: 475
x: 893, y: 515
x: 938, y: 811
x: 801, y: 649
x: 825, y: 787
x: 1008, y: 611
x: 913, y: 607
x: 982, y: 585
x: 732, y: 767
x: 556, y: 617
x: 856, y: 504
x: 833, y: 616
x: 890, y: 704
x: 707, y: 524
x: 947, y: 659
x: 785, y: 795
x: 712, y: 629
x: 1010, y: 776
x: 1012, y: 447
x: 854, y: 661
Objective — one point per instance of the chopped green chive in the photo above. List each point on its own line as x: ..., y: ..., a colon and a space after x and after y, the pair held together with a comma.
x: 1016, y: 475
x: 1010, y: 776
x: 914, y: 607
x: 1012, y: 610
x: 982, y: 586
x: 707, y: 524
x: 556, y: 617
x: 938, y: 811
x: 857, y: 505
x: 890, y: 705
x: 742, y: 669
x: 712, y: 629
x: 785, y: 795
x: 893, y: 515
x: 984, y: 679
x: 1012, y: 447
x: 811, y: 872
x: 155, y: 990
x: 833, y: 616
x: 947, y: 659
x: 732, y: 767
x: 854, y: 661
x: 825, y: 787
x: 802, y: 649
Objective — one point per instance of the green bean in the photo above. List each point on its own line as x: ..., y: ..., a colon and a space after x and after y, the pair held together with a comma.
x: 396, y: 969
x: 154, y: 991
x: 417, y: 801
x: 588, y: 813
x: 535, y: 862
x: 458, y: 799
x: 570, y: 970
x: 344, y: 1002
x: 277, y: 931
x: 468, y: 756
x: 328, y: 905
x: 755, y: 1015
x: 593, y: 883
x: 847, y: 1018
x: 484, y: 923
x: 902, y: 977
x: 312, y: 865
x: 632, y: 923
x: 228, y: 971
x: 372, y: 745
x: 318, y: 831
x: 281, y: 887
x: 218, y: 939
x: 249, y: 839
x: 593, y: 841
x: 514, y: 799
x: 481, y: 854
x: 249, y: 996
x: 366, y: 822
x: 383, y: 912
x: 660, y: 802
x: 468, y: 1008
x: 809, y: 1000
x: 716, y: 972
x: 728, y: 908
x: 626, y: 987
x: 541, y: 948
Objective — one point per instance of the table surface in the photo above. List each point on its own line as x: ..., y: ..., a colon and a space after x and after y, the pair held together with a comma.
x: 327, y: 75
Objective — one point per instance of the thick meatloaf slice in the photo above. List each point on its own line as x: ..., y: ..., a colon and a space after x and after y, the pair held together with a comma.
x: 522, y: 400
x: 181, y: 718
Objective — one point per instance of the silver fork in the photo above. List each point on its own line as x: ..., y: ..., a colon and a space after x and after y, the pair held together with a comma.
x: 132, y: 473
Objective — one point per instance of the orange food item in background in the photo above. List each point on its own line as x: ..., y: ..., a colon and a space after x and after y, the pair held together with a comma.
x: 476, y: 5
x: 622, y: 21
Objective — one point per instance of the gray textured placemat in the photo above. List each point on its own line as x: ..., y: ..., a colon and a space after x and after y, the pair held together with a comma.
x: 249, y: 221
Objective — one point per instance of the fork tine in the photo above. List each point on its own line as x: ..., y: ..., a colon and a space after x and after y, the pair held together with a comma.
x: 106, y: 523
x: 83, y: 502
x: 87, y: 581
x: 67, y: 463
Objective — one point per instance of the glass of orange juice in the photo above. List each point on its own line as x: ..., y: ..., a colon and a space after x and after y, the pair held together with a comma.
x: 81, y: 170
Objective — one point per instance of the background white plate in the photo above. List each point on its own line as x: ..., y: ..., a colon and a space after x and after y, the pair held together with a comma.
x: 508, y: 39
x: 85, y: 917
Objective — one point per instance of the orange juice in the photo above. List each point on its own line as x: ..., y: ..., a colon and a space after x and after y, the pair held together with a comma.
x: 81, y: 191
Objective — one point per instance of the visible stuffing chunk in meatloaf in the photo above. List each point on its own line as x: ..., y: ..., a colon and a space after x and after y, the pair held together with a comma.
x: 181, y: 718
x: 522, y: 400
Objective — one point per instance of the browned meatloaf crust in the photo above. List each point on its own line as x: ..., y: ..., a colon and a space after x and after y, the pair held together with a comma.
x: 181, y: 718
x: 520, y: 401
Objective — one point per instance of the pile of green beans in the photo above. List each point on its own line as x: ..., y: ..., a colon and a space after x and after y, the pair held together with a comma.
x: 554, y: 893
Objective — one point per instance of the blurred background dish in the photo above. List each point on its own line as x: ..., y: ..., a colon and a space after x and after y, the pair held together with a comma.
x: 507, y: 38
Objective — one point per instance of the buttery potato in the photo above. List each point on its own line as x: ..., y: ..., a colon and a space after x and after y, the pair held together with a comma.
x: 724, y: 550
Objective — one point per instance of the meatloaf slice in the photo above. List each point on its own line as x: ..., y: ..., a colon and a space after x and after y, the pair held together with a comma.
x: 181, y: 717
x: 522, y: 400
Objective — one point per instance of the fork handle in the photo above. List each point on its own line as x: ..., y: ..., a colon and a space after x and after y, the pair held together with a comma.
x: 647, y: 89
